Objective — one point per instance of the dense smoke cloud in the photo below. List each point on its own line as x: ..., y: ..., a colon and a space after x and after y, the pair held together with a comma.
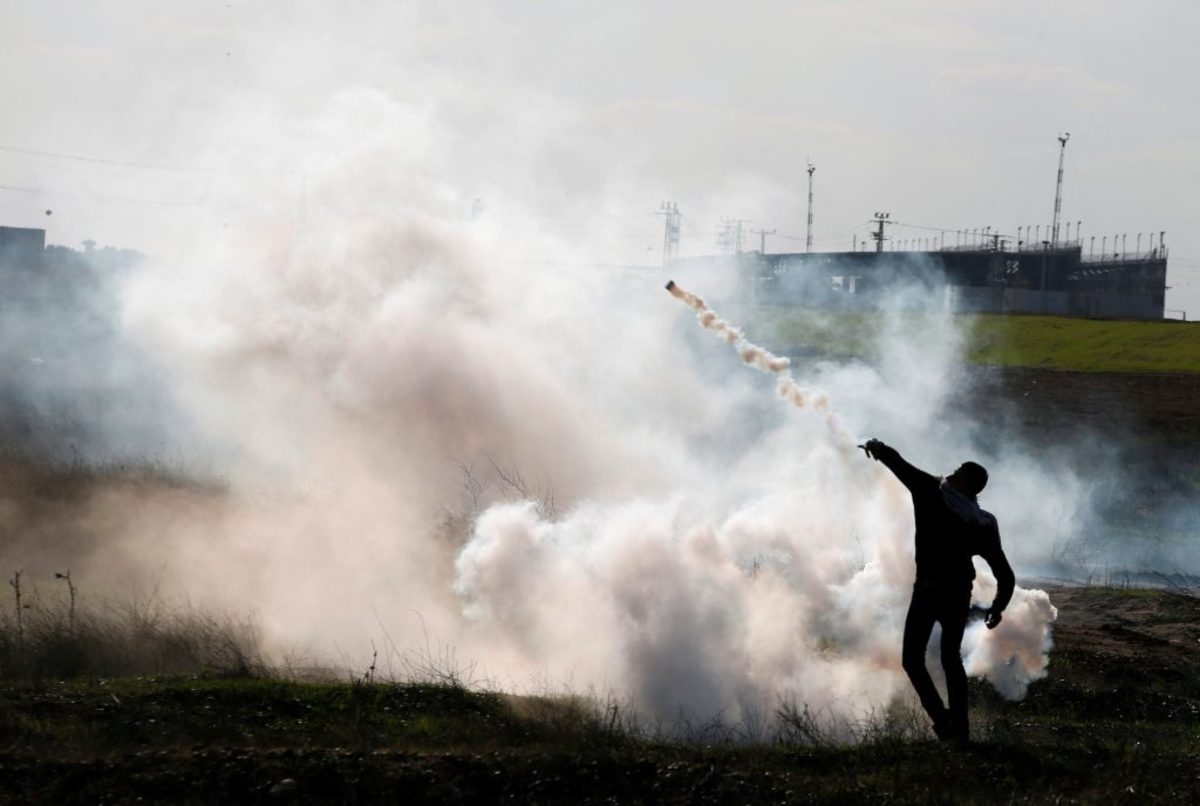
x: 436, y: 419
x: 542, y: 463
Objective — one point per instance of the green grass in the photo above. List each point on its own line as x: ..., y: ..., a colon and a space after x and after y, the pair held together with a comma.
x: 1047, y: 342
x: 189, y: 739
x: 1115, y: 721
x: 169, y: 712
x: 824, y: 334
x: 1090, y: 345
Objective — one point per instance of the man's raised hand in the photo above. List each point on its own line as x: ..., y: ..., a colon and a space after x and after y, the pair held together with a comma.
x: 870, y: 447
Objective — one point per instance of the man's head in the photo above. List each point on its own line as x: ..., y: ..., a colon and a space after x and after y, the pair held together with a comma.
x: 969, y: 479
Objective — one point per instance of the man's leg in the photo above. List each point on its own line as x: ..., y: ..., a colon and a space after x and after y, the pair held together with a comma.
x: 917, y: 627
x: 953, y: 618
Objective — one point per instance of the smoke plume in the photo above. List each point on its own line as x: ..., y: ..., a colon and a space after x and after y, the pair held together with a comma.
x: 427, y: 422
x: 708, y: 612
x: 749, y: 352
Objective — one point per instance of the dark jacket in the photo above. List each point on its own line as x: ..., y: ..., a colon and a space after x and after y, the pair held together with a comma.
x: 946, y: 542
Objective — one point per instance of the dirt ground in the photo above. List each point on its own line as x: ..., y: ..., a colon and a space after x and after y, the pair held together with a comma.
x: 1157, y: 406
x: 1137, y: 433
x: 1157, y: 629
x: 1115, y: 720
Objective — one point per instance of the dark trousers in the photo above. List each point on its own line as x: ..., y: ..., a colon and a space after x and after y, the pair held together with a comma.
x: 948, y: 607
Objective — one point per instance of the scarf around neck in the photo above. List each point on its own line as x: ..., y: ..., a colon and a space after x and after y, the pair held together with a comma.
x: 964, y: 507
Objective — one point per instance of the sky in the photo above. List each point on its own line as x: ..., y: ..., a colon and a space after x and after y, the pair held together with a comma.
x: 148, y: 126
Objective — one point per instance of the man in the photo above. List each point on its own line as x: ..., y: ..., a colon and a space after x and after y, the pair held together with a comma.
x: 951, y: 529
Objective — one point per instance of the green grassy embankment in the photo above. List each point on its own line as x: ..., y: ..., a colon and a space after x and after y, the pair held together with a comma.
x: 1043, y: 342
x: 1087, y: 345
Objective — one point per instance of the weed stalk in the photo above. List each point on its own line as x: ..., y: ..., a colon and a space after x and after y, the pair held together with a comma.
x: 71, y: 590
x: 16, y: 586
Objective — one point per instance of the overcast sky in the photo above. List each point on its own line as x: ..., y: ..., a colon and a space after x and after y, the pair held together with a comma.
x: 588, y: 114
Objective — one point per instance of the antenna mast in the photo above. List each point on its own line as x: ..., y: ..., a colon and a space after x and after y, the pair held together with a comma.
x: 1062, y: 152
x: 808, y: 240
x: 671, y: 216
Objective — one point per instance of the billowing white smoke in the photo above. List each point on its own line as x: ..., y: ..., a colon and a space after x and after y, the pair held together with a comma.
x: 427, y: 430
x: 708, y: 605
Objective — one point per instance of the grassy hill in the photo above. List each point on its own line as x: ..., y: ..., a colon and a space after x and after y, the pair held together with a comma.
x: 1044, y: 342
x: 1092, y: 345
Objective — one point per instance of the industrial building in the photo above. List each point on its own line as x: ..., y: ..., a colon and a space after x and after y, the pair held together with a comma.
x: 984, y: 272
x: 1059, y: 280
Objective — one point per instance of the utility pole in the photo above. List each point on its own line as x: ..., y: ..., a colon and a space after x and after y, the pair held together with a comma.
x: 881, y: 219
x: 762, y: 235
x: 671, y: 219
x: 1062, y: 153
x: 725, y: 237
x: 808, y: 241
x: 729, y: 235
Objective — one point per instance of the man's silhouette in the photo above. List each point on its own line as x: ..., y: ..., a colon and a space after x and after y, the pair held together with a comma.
x: 951, y: 529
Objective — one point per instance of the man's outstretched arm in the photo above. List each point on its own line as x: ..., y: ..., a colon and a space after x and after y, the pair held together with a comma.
x: 909, y: 476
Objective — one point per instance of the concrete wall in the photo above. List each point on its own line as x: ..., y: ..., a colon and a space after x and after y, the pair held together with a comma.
x: 970, y: 282
x: 1027, y: 300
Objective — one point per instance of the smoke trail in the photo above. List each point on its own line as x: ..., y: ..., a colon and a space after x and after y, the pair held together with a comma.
x: 763, y: 359
x: 735, y: 590
x: 1013, y: 656
x: 748, y: 351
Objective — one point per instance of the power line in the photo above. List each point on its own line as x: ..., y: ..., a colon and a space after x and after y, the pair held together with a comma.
x: 595, y: 217
x: 830, y: 237
x: 121, y: 200
x: 102, y: 161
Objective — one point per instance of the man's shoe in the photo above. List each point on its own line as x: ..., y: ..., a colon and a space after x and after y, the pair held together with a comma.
x: 942, y: 727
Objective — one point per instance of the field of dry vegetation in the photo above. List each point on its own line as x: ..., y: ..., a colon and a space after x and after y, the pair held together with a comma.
x: 1114, y: 721
x: 138, y: 699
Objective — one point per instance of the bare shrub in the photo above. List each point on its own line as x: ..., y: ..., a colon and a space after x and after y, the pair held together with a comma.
x: 129, y: 637
x: 799, y: 725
